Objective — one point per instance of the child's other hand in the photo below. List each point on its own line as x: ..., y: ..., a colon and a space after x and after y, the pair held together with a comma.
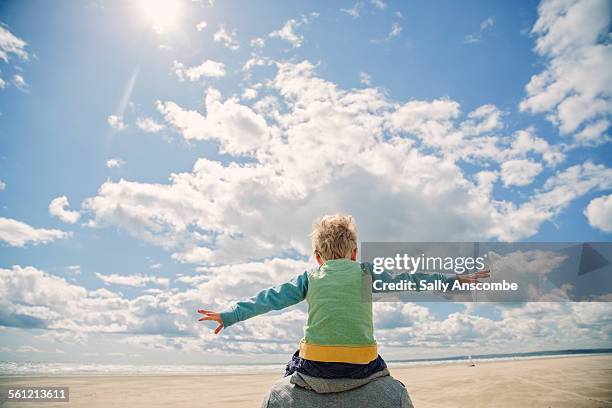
x: 208, y: 315
x: 473, y: 277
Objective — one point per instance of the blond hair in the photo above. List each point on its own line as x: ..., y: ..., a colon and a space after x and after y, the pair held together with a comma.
x: 334, y: 236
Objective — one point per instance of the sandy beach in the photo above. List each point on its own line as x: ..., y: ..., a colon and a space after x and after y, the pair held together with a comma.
x: 546, y: 382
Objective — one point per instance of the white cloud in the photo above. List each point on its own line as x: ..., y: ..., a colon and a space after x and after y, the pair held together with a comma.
x: 557, y: 193
x: 379, y: 4
x: 208, y: 69
x: 249, y: 93
x: 575, y: 181
x: 396, y: 30
x: 201, y: 25
x: 10, y: 44
x: 58, y: 207
x: 287, y: 32
x: 488, y: 22
x: 592, y: 133
x: 255, y: 61
x: 525, y: 142
x: 228, y: 38
x: 115, y: 163
x: 360, y: 6
x: 2, y: 185
x: 35, y: 298
x: 149, y: 125
x: 132, y: 280
x: 484, y: 119
x: 13, y: 46
x: 394, y: 315
x: 354, y: 11
x: 116, y: 122
x: 519, y: 172
x: 365, y: 79
x: 599, y: 213
x: 575, y: 88
x: 239, y: 280
x: 530, y: 326
x: 18, y: 234
x: 20, y: 82
x: 258, y: 42
x: 473, y: 140
x: 485, y: 26
x: 238, y: 128
x: 74, y: 269
x: 157, y: 342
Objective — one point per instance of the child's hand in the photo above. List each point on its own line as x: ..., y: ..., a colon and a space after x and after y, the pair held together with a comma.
x: 473, y: 277
x: 208, y: 315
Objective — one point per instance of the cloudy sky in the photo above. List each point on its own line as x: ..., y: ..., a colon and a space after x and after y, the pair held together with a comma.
x: 159, y: 159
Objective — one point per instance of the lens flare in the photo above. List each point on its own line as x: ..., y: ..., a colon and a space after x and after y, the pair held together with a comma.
x: 163, y: 15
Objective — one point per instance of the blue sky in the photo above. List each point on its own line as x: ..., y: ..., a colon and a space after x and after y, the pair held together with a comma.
x: 428, y: 121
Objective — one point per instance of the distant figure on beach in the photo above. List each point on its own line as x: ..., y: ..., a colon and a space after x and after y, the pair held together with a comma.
x: 338, y: 343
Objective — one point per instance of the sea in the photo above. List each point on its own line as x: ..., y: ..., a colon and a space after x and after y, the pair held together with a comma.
x: 36, y: 369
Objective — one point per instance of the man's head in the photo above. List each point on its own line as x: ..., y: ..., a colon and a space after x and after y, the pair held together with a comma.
x: 334, y: 237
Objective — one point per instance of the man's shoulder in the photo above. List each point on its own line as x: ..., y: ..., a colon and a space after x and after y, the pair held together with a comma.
x: 381, y: 392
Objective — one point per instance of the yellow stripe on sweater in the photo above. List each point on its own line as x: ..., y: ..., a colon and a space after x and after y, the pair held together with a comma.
x: 338, y: 354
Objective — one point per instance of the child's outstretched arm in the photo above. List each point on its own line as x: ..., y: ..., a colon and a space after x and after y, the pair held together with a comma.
x: 275, y: 298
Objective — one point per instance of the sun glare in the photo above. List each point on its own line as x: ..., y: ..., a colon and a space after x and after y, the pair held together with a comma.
x: 163, y: 15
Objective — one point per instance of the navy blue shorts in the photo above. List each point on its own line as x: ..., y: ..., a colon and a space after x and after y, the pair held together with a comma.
x: 322, y: 369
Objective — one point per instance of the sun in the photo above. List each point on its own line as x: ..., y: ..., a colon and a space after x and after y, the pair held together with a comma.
x: 163, y: 15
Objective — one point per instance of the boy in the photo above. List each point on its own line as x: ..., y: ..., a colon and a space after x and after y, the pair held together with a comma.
x: 339, y: 335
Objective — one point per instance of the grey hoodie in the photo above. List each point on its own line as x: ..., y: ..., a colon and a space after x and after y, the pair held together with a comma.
x: 380, y: 390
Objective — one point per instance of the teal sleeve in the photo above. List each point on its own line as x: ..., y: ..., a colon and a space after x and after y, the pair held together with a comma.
x: 430, y: 277
x: 414, y: 277
x: 276, y: 298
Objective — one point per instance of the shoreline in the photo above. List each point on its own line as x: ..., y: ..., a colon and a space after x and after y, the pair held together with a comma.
x: 581, y: 381
x: 271, y: 368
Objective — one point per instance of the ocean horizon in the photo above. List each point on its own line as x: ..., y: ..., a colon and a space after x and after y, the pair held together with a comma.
x: 43, y: 369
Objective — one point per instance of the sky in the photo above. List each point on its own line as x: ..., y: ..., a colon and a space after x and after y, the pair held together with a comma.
x: 159, y: 157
